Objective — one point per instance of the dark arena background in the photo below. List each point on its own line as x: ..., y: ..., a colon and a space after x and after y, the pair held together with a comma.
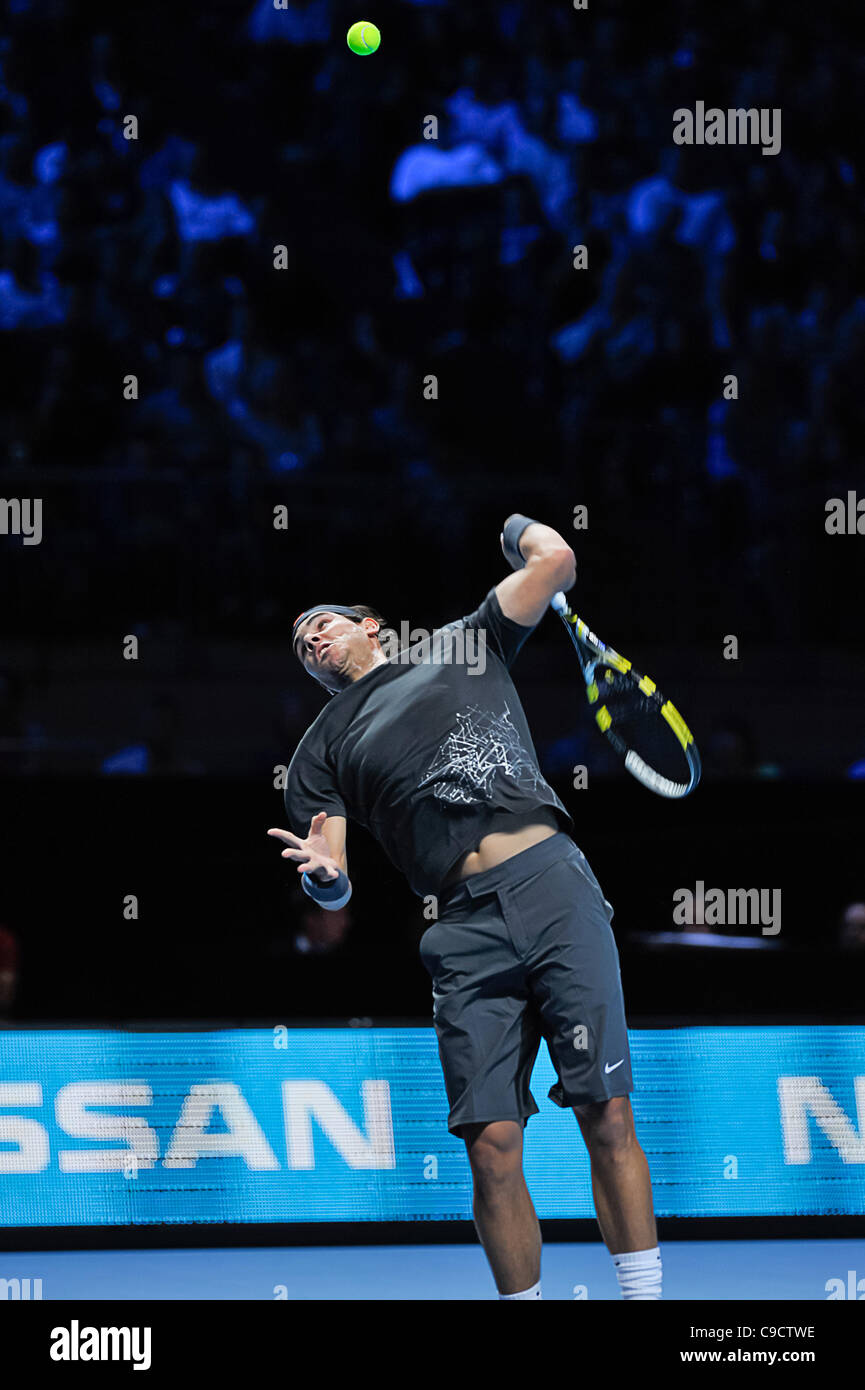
x: 282, y: 322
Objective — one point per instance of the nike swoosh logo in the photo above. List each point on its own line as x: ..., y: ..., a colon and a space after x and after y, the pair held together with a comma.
x: 609, y: 1068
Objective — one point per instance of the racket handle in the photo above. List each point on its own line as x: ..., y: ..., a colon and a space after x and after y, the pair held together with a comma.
x: 559, y: 603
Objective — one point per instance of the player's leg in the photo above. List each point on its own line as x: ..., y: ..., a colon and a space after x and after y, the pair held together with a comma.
x: 622, y: 1190
x: 488, y: 1038
x: 621, y: 1185
x: 576, y: 980
x: 504, y: 1214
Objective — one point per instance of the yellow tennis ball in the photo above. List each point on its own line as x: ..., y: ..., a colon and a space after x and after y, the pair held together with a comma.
x: 363, y: 37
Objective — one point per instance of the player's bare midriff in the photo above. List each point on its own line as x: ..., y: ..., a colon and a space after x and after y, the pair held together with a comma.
x: 501, y: 845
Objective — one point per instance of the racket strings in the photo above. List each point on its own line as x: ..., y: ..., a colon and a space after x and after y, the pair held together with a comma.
x: 637, y: 725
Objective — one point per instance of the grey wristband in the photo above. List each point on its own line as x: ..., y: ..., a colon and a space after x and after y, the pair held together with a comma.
x: 513, y: 529
x: 331, y: 895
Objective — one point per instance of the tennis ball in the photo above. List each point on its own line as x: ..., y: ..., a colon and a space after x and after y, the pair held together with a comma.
x: 363, y: 37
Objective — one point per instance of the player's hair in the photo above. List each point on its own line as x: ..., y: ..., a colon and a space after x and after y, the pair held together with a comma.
x: 366, y: 611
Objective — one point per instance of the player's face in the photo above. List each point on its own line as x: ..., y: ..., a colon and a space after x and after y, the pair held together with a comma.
x: 329, y: 645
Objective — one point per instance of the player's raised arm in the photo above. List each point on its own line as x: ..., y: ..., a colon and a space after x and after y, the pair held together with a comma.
x: 544, y: 563
x: 321, y: 859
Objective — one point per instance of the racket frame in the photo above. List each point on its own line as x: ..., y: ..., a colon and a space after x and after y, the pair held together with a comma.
x: 592, y: 652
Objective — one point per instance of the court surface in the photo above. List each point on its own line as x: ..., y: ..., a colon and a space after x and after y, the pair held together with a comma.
x: 701, y: 1270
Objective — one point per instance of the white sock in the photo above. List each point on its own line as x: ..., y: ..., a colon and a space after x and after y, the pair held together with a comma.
x: 533, y: 1292
x: 639, y: 1273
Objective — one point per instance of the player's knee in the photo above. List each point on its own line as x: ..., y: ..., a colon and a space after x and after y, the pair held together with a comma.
x: 495, y: 1152
x: 608, y: 1126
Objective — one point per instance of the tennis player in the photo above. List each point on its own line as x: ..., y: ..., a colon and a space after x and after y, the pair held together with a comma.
x: 434, y: 756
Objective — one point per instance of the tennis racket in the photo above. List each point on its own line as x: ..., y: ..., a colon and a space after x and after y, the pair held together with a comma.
x: 646, y: 730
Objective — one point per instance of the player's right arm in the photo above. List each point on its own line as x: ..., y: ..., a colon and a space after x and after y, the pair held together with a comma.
x: 543, y: 563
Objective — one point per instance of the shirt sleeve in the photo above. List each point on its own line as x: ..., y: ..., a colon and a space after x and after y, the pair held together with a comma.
x: 502, y: 635
x: 310, y: 787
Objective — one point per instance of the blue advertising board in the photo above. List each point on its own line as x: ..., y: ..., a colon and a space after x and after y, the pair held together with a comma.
x: 257, y: 1125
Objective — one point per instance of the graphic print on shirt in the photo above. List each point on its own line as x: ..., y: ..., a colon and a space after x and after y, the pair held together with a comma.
x: 464, y: 768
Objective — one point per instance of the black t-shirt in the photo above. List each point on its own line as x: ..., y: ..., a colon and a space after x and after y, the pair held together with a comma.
x: 430, y: 751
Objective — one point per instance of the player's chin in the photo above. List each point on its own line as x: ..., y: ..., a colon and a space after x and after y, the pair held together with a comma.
x: 336, y: 663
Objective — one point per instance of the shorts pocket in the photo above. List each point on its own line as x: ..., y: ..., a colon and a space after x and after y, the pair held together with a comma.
x: 579, y: 864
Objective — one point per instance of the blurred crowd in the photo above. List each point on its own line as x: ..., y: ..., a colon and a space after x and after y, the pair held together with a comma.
x: 404, y: 258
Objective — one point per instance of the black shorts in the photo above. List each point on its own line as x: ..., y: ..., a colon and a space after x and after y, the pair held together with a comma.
x: 521, y: 952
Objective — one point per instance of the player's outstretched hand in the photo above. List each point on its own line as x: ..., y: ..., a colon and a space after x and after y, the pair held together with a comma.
x: 312, y: 856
